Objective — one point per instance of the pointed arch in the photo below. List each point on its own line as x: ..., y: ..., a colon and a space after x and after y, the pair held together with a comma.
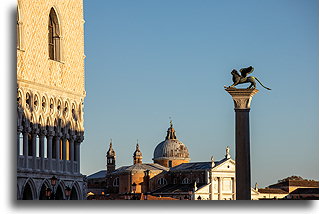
x: 45, y: 184
x: 75, y: 191
x: 40, y: 121
x: 29, y: 190
x: 33, y: 118
x: 60, y: 193
x: 49, y: 122
x: 54, y: 36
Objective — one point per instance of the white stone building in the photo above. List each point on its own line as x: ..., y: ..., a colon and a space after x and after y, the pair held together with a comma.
x: 50, y: 96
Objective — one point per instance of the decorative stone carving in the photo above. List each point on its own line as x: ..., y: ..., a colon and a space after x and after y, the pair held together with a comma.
x: 242, y: 97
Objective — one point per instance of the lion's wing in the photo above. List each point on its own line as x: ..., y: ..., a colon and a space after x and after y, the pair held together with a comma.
x: 245, y: 71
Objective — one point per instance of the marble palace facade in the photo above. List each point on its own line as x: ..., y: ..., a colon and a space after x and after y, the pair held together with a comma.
x: 50, y: 98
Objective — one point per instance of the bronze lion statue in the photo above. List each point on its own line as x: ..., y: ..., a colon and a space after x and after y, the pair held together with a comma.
x: 242, y: 78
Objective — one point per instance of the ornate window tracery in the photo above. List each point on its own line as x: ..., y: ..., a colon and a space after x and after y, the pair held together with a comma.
x: 28, y: 100
x: 54, y: 37
x: 44, y: 104
x: 36, y: 102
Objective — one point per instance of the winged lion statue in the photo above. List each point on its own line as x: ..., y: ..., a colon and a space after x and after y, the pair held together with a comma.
x: 243, y: 78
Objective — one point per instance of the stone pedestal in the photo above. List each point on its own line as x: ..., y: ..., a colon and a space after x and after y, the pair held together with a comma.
x: 242, y: 99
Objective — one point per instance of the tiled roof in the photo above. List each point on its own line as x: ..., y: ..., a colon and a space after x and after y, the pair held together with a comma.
x: 304, y: 183
x: 141, y: 167
x: 197, y: 165
x: 99, y: 174
x: 272, y: 191
x: 306, y: 191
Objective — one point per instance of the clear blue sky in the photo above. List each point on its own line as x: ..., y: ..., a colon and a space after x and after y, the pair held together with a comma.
x: 147, y: 61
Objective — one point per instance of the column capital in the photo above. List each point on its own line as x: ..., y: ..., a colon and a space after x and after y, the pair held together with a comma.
x: 241, y: 97
x: 43, y: 132
x: 26, y: 129
x: 19, y: 129
x: 80, y: 138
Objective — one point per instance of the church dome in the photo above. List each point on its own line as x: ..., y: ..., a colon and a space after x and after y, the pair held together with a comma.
x: 171, y: 147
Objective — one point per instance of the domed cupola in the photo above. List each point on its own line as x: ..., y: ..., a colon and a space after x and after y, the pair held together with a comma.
x: 171, y: 152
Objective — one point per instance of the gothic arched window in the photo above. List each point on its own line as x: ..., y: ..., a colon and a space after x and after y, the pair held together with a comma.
x: 54, y: 37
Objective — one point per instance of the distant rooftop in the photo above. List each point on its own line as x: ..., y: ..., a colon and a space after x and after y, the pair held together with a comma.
x: 304, y: 183
x: 272, y: 191
x: 99, y: 174
x: 141, y: 167
x: 197, y: 165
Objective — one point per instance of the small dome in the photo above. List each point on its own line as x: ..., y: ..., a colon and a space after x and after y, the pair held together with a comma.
x: 171, y: 147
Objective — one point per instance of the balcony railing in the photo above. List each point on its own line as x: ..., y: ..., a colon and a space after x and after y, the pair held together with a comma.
x: 39, y: 165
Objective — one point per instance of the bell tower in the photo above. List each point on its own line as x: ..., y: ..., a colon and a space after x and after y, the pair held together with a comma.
x: 110, y: 159
x: 137, y: 156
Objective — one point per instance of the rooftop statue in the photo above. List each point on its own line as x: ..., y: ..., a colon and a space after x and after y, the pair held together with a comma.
x: 243, y: 78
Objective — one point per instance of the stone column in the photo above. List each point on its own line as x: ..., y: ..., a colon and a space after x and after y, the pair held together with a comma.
x: 72, y: 152
x: 220, y: 187
x: 242, y: 99
x: 41, y: 142
x: 57, y: 151
x: 77, y: 154
x: 64, y: 153
x: 49, y: 148
x: 233, y: 188
x: 25, y: 146
x: 34, y: 150
x: 211, y: 187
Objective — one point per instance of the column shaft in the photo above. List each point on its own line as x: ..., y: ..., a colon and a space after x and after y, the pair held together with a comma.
x: 243, y: 176
x: 220, y: 188
x: 242, y: 100
x: 78, y: 156
x: 57, y: 153
x: 25, y: 148
x: 72, y: 154
x: 49, y: 152
x: 233, y: 189
x: 64, y: 153
x: 41, y: 142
